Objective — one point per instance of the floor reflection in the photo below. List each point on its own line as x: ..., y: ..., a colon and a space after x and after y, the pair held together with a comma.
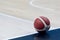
x: 42, y: 36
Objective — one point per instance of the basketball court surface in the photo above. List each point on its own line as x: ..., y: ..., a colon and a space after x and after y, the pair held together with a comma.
x: 17, y: 18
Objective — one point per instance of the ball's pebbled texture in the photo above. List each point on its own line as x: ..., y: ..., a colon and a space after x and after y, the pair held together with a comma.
x: 42, y: 23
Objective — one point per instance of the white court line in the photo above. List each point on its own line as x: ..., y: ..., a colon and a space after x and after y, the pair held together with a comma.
x: 21, y: 35
x: 31, y: 3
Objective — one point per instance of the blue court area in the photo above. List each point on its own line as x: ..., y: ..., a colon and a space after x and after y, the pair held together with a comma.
x: 50, y: 35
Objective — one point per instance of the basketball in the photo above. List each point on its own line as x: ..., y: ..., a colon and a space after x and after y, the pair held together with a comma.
x: 42, y: 23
